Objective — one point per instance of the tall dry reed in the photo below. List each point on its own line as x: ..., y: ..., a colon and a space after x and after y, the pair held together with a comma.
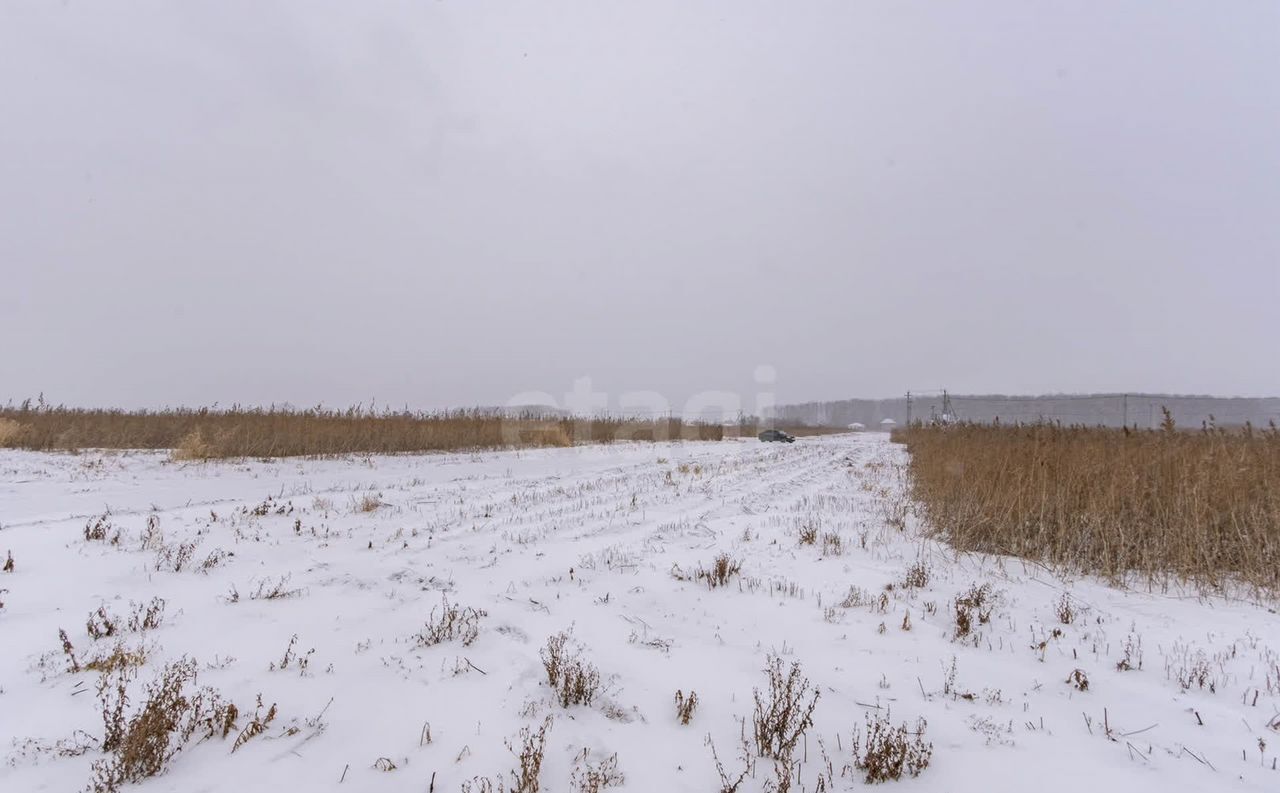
x: 1197, y: 506
x: 275, y: 432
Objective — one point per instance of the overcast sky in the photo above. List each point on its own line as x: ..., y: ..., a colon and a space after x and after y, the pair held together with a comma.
x: 448, y: 203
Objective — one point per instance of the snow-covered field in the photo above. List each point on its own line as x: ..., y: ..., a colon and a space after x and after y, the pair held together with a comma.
x: 600, y: 542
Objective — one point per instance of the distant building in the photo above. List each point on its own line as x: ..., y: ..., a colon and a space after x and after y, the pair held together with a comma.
x: 888, y: 424
x: 857, y: 426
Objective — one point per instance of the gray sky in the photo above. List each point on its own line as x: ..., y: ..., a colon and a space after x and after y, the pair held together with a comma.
x: 449, y: 203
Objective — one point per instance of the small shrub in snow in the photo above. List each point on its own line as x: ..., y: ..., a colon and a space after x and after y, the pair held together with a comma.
x: 832, y: 544
x: 916, y: 576
x: 533, y: 744
x: 575, y: 681
x: 722, y: 571
x: 730, y: 783
x: 1065, y: 612
x: 170, y: 715
x: 175, y: 557
x: 292, y: 658
x: 884, y: 752
x: 857, y: 596
x: 120, y: 656
x: 1193, y: 672
x: 100, y: 624
x: 451, y: 622
x: 142, y: 617
x: 894, y: 509
x: 73, y: 664
x: 554, y: 657
x: 1079, y: 680
x: 782, y: 716
x: 971, y: 605
x: 272, y: 590
x: 257, y: 725
x: 524, y: 779
x: 655, y: 642
x: 100, y: 529
x: 8, y: 562
x: 808, y: 532
x: 30, y: 750
x: 1132, y: 654
x: 152, y: 537
x: 685, y: 706
x: 147, y: 617
x: 591, y: 777
x: 214, y: 560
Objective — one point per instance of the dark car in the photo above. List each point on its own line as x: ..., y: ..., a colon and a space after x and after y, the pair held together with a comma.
x: 777, y: 435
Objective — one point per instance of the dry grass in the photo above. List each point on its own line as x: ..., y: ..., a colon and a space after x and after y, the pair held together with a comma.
x: 9, y: 431
x: 884, y: 752
x: 273, y: 589
x: 729, y: 783
x: 257, y: 725
x: 575, y: 681
x: 723, y: 569
x: 292, y: 658
x: 783, y: 715
x: 685, y: 706
x: 975, y: 604
x: 1165, y: 505
x: 121, y: 656
x: 452, y: 622
x: 589, y: 777
x: 100, y: 530
x: 785, y: 711
x: 171, y: 714
x: 533, y: 745
x: 1078, y: 680
x: 917, y: 575
x: 1064, y: 610
x: 807, y: 532
x: 203, y: 434
x: 832, y: 544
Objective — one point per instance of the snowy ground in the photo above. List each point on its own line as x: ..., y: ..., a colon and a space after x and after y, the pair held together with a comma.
x: 595, y: 541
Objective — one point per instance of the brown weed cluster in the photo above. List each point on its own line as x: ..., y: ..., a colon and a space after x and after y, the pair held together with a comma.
x: 574, y: 680
x: 782, y: 716
x: 1166, y: 504
x: 685, y: 706
x: 723, y: 568
x: 201, y: 434
x: 170, y: 714
x: 452, y: 622
x: 589, y: 777
x: 884, y: 752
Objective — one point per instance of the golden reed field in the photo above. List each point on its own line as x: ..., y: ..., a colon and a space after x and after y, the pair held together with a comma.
x: 275, y: 432
x: 1165, y: 504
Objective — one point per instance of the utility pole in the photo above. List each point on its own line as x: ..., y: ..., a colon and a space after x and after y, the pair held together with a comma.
x: 1125, y: 398
x: 908, y: 408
